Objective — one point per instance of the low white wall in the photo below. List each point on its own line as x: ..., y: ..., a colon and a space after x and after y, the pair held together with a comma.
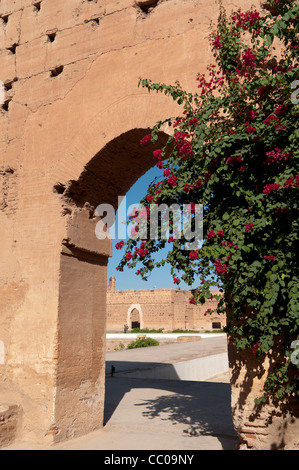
x: 201, y: 368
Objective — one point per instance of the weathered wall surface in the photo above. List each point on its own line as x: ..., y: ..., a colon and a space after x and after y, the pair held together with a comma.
x: 69, y: 139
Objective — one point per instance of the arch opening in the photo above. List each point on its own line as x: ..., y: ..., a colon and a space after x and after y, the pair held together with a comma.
x: 83, y: 280
x: 135, y: 317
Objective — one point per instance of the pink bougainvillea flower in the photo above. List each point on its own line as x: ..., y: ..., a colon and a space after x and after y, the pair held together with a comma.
x: 188, y: 187
x: 146, y: 139
x: 234, y: 159
x: 268, y: 188
x: 211, y: 234
x: 149, y: 198
x: 250, y: 129
x: 119, y: 245
x: 157, y: 154
x: 270, y: 257
x: 249, y: 227
x: 216, y: 43
x: 172, y: 181
x: 220, y: 267
x: 193, y: 255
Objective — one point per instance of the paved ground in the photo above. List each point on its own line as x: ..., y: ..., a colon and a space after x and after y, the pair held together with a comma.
x: 165, y: 354
x: 163, y: 414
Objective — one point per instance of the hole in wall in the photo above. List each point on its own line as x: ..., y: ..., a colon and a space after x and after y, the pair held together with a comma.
x: 5, y: 18
x: 51, y: 36
x: 56, y: 71
x: 37, y: 6
x: 8, y: 85
x: 146, y: 5
x: 93, y: 21
x: 13, y: 48
x: 5, y: 105
x: 59, y: 188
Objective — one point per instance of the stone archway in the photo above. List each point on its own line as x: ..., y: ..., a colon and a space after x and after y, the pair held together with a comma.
x: 66, y: 141
x: 94, y: 178
x: 135, y: 316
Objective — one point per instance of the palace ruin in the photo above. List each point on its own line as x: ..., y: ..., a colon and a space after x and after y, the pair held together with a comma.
x: 71, y: 123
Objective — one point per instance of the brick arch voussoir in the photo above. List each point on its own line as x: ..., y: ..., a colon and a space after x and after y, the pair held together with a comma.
x: 140, y: 111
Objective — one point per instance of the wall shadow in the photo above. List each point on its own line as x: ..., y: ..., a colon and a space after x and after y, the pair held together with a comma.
x: 195, y: 408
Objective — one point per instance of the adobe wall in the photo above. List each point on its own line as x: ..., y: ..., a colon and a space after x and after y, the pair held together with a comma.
x: 168, y: 309
x: 70, y: 128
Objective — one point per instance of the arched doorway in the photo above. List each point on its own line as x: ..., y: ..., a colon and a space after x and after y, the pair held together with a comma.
x: 135, y: 316
x: 81, y: 188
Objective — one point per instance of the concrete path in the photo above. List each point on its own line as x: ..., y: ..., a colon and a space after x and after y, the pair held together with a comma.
x: 163, y: 414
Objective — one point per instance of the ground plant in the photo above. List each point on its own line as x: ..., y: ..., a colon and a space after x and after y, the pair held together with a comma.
x: 143, y: 343
x: 234, y: 150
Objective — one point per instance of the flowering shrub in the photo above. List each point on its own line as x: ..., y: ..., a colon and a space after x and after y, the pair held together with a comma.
x: 235, y: 151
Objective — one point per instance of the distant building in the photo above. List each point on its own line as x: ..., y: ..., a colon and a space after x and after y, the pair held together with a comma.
x: 158, y: 308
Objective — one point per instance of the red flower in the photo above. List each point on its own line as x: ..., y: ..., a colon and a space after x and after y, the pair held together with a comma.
x: 250, y: 129
x: 134, y: 231
x: 119, y: 245
x: 276, y: 156
x: 199, y: 184
x: 146, y: 139
x: 216, y: 43
x: 271, y: 187
x: 192, y: 122
x: 166, y: 172
x: 157, y: 154
x: 234, y: 159
x: 149, y: 198
x: 192, y: 300
x: 129, y: 256
x: 281, y: 110
x: 221, y: 267
x: 251, y: 114
x: 270, y: 118
x: 211, y: 234
x: 193, y: 255
x: 262, y: 91
x: 188, y: 187
x: 172, y: 181
x: 220, y: 233
x: 270, y: 258
x: 249, y: 58
x: 176, y: 280
x: 207, y: 311
x: 248, y: 227
x: 292, y: 182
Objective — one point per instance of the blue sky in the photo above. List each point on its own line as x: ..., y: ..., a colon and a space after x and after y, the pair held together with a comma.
x: 128, y: 279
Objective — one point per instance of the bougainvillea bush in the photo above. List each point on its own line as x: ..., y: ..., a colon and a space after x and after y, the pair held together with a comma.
x: 234, y: 149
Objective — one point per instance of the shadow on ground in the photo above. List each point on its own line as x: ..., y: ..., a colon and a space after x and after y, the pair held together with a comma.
x: 189, y: 408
